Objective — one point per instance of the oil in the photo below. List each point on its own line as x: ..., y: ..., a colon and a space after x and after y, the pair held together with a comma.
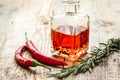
x: 71, y: 42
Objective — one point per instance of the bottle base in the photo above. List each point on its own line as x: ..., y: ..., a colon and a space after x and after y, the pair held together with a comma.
x: 73, y: 58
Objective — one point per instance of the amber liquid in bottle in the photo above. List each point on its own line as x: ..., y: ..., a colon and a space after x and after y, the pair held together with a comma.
x: 71, y: 43
x: 70, y: 33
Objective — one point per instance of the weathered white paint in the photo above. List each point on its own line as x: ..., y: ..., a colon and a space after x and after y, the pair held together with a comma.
x: 105, y: 23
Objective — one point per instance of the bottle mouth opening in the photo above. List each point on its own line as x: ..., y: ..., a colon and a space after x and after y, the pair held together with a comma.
x: 71, y: 2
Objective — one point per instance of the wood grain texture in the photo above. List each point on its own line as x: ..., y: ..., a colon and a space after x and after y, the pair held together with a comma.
x: 7, y: 9
x: 30, y: 18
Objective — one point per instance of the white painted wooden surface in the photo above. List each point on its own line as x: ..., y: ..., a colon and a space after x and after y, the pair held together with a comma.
x: 7, y: 9
x: 105, y: 21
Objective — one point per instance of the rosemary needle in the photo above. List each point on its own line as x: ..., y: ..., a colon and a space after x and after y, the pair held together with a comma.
x: 97, y: 54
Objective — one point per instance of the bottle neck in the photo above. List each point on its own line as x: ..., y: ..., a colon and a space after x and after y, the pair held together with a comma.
x: 71, y: 9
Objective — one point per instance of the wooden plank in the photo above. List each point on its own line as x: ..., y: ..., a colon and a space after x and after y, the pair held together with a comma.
x: 104, y: 25
x: 7, y: 9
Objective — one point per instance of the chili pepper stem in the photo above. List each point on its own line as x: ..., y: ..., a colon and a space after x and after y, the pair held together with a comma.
x: 26, y: 36
x: 36, y: 63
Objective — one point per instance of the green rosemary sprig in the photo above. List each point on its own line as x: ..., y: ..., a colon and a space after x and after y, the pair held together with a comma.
x: 112, y: 45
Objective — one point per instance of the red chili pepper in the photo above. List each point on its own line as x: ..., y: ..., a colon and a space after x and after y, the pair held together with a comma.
x: 42, y: 58
x: 24, y: 62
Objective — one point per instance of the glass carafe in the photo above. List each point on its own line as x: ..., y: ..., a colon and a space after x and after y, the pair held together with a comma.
x: 70, y: 32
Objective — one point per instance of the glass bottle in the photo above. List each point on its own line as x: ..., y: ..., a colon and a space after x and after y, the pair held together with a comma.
x: 70, y: 32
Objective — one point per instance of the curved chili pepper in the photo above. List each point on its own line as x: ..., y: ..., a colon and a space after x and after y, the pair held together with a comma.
x: 40, y: 57
x: 24, y: 62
